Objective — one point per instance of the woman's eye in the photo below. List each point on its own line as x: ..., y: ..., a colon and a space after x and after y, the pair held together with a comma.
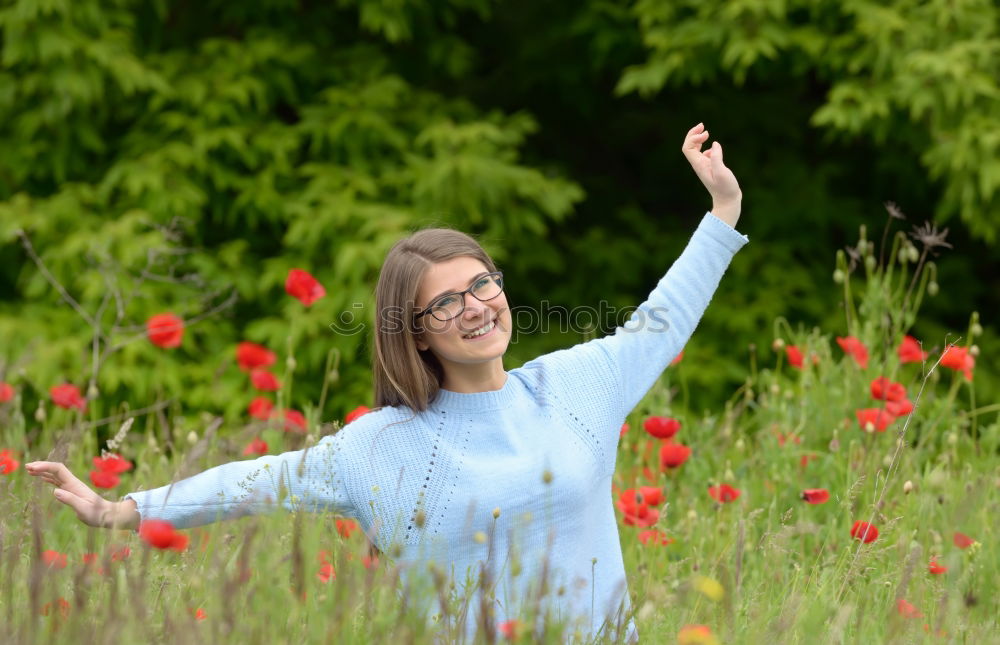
x: 482, y: 283
x: 444, y: 302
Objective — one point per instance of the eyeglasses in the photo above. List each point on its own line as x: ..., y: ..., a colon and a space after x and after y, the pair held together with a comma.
x: 451, y: 305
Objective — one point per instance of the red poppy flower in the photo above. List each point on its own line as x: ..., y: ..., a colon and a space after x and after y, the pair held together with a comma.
x: 648, y: 473
x: 509, y: 629
x: 909, y: 350
x: 643, y: 516
x: 661, y: 427
x: 636, y: 511
x: 906, y: 610
x: 256, y: 447
x: 936, y: 568
x: 816, y: 495
x: 673, y: 454
x: 648, y: 495
x: 724, y: 493
x: 805, y: 459
x: 345, y: 526
x: 959, y: 358
x: 199, y: 614
x: 678, y: 358
x: 357, y: 412
x: 114, y: 464
x: 782, y: 438
x: 899, y: 408
x: 165, y: 330
x: 864, y: 531
x: 295, y: 421
x: 260, y: 408
x: 872, y: 419
x: 695, y: 635
x: 7, y: 462
x: 54, y: 559
x: 962, y: 540
x: 162, y: 535
x: 68, y: 396
x: 120, y: 553
x: 885, y: 390
x: 856, y: 349
x: 654, y: 537
x: 300, y: 284
x: 326, y: 572
x: 794, y: 355
x: 6, y: 392
x: 264, y: 380
x: 103, y: 479
x: 369, y: 561
x: 621, y: 433
x: 61, y: 604
x: 250, y: 356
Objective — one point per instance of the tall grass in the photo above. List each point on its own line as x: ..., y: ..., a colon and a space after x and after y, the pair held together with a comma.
x: 766, y: 567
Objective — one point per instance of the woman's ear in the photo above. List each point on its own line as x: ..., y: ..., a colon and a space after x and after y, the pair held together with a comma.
x: 419, y: 340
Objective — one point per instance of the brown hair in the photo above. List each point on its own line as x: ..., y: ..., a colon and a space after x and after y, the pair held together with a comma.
x: 402, y: 374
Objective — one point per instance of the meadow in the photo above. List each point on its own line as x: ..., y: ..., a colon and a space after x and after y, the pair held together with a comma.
x: 842, y: 494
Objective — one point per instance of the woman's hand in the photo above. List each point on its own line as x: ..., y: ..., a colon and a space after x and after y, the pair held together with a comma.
x: 718, y: 179
x: 91, y: 508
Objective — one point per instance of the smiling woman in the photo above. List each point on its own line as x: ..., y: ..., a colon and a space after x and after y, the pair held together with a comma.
x: 502, y: 476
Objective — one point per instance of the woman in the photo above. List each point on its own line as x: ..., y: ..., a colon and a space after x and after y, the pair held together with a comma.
x: 499, y: 478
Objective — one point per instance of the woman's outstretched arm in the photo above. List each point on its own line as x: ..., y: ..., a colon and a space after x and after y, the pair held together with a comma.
x: 308, y: 479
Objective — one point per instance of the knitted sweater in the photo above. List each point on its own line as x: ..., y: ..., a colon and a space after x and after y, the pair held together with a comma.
x: 541, y: 450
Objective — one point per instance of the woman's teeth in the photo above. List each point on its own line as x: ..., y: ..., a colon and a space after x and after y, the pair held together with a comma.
x: 482, y: 330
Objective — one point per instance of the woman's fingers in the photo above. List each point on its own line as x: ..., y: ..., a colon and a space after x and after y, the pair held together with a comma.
x: 59, y: 475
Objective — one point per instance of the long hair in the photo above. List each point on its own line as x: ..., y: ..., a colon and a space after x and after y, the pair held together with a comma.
x: 402, y: 374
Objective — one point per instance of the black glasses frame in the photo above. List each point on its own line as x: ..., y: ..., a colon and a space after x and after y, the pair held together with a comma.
x: 461, y: 295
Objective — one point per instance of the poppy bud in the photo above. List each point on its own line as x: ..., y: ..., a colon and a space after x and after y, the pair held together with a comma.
x: 775, y: 389
x: 40, y: 413
x: 914, y: 254
x: 887, y: 461
x: 974, y: 350
x: 740, y: 445
x: 419, y: 518
x: 904, y: 255
x: 932, y: 288
x: 290, y: 363
x: 907, y: 487
x: 192, y: 437
x: 838, y: 276
x: 976, y: 330
x: 870, y: 262
x: 547, y: 476
x: 952, y: 438
x: 778, y: 344
x: 496, y: 512
x: 869, y: 427
x: 92, y: 391
x: 333, y: 376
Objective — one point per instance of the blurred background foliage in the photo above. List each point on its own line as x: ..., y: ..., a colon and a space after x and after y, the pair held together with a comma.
x: 184, y: 156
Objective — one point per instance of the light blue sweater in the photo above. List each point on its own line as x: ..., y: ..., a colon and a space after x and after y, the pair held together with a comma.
x: 541, y: 449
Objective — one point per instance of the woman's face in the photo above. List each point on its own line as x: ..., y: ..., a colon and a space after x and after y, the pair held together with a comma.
x: 449, y: 340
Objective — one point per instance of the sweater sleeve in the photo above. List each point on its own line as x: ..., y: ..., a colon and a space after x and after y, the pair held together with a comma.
x: 309, y: 479
x: 658, y: 329
x: 603, y: 379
